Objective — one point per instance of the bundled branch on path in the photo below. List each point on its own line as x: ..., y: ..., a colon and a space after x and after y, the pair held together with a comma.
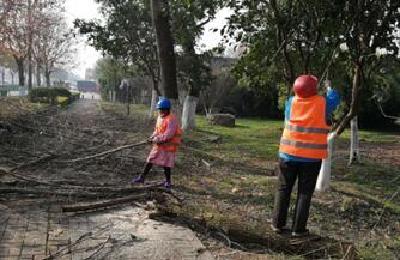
x: 107, y: 203
x: 77, y: 191
x: 11, y: 171
x: 48, y: 157
x: 116, y: 195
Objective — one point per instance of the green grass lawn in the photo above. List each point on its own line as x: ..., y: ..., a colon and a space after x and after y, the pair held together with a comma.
x: 372, y: 136
x: 236, y: 193
x: 254, y: 142
x: 251, y: 138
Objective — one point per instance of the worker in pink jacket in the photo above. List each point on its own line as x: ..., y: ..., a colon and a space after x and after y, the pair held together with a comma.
x: 165, y: 139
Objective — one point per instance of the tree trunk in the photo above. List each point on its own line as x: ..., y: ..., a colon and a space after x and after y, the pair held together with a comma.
x: 30, y: 45
x: 21, y: 71
x: 354, y: 155
x: 354, y: 100
x: 165, y: 47
x: 30, y: 74
x: 3, y: 76
x: 48, y: 79
x: 190, y: 103
x: 154, y: 97
x: 352, y: 113
x: 189, y: 112
x: 176, y: 109
x: 47, y: 76
x: 324, y: 176
x: 127, y: 100
x: 325, y: 172
x: 38, y: 76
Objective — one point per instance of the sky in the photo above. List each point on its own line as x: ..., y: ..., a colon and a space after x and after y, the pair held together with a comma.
x: 85, y: 9
x: 88, y: 9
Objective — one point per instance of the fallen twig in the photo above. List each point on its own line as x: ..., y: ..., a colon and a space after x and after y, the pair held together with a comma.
x: 98, y: 248
x: 10, y: 171
x: 350, y: 252
x: 314, y: 251
x: 5, y: 170
x: 80, y: 191
x: 383, y: 208
x: 30, y: 163
x: 233, y: 252
x: 229, y: 241
x: 104, y: 204
x: 207, y: 164
x: 82, y: 238
x: 46, y: 191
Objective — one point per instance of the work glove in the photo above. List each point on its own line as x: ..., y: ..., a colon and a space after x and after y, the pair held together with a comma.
x: 328, y: 84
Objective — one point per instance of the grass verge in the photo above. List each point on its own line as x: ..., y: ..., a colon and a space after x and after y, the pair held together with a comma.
x: 226, y: 179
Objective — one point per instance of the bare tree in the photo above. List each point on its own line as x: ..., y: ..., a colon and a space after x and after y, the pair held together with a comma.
x: 58, y: 46
x: 13, y: 34
x: 35, y: 29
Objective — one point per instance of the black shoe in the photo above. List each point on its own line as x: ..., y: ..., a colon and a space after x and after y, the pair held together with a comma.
x: 277, y: 230
x: 303, y: 233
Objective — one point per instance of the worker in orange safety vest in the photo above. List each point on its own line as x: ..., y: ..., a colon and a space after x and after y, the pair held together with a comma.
x: 166, y: 138
x: 303, y: 145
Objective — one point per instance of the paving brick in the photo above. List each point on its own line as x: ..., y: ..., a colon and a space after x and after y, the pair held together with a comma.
x: 33, y: 250
x: 9, y: 257
x: 39, y: 257
x: 13, y: 235
x: 11, y: 250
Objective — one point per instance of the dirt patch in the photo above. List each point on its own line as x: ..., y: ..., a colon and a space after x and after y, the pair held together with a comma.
x: 379, y: 152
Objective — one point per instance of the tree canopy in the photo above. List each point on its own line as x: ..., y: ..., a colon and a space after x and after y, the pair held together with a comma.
x: 335, y: 39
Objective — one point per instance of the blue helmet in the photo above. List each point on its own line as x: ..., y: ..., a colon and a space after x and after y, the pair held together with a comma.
x: 163, y: 103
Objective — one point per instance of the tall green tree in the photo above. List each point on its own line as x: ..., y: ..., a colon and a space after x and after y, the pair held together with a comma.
x: 304, y: 36
x: 370, y: 26
x: 283, y: 38
x: 189, y: 19
x: 165, y: 47
x: 109, y: 73
x: 287, y: 38
x: 128, y: 35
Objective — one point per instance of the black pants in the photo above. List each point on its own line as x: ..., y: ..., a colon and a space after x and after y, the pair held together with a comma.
x: 307, y: 174
x: 167, y: 171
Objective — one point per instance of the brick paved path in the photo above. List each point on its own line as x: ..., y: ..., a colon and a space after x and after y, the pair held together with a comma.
x: 32, y: 229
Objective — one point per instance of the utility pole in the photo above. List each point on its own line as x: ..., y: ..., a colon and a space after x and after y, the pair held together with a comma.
x: 30, y: 45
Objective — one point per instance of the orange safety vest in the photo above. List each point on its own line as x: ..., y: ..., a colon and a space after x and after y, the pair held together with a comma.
x: 162, y: 124
x: 306, y: 132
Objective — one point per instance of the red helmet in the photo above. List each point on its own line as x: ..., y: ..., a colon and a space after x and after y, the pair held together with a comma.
x: 305, y: 86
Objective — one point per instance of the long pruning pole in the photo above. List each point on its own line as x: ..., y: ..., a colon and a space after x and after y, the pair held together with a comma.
x: 326, y: 71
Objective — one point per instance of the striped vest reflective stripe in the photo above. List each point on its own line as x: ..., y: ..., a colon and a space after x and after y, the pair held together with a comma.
x: 172, y: 144
x: 305, y: 134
